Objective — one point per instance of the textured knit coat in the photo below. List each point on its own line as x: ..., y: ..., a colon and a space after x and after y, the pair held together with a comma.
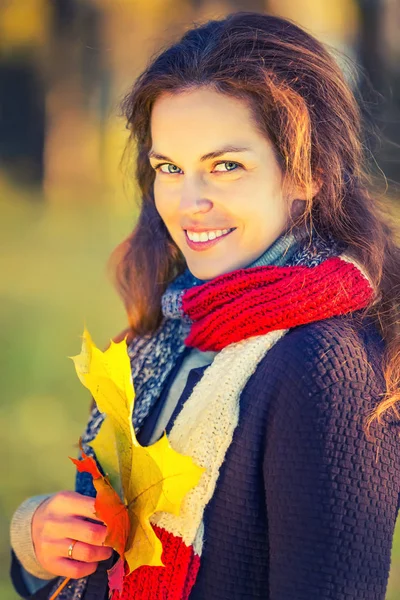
x: 305, y: 504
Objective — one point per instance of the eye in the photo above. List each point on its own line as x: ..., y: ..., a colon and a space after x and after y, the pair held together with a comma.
x: 228, y: 162
x: 158, y: 168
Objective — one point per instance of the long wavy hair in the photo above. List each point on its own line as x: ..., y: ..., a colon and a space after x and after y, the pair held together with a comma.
x: 301, y: 101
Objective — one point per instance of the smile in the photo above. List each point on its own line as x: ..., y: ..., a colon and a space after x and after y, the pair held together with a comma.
x: 210, y: 240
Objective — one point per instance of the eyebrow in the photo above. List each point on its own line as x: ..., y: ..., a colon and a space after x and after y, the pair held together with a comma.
x: 205, y: 157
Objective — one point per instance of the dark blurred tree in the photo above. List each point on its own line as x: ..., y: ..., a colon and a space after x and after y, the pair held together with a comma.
x: 381, y: 88
x: 69, y: 55
x: 22, y: 90
x: 22, y: 121
x: 77, y: 45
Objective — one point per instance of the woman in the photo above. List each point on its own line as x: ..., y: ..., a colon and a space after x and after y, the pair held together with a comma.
x: 262, y: 286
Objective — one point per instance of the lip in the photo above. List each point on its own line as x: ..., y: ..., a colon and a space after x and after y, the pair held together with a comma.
x: 200, y: 246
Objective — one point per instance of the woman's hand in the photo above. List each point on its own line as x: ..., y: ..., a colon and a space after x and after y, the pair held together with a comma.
x: 59, y: 521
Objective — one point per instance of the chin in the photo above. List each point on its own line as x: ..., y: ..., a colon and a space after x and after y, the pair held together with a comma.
x: 211, y: 273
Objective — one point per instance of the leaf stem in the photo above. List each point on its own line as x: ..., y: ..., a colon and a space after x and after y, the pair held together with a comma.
x: 60, y: 588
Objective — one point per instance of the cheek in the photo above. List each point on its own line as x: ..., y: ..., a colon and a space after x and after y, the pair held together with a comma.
x: 164, y: 202
x: 263, y: 216
x: 161, y: 205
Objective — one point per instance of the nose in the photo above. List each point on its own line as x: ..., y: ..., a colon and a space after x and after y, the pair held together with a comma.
x: 193, y: 200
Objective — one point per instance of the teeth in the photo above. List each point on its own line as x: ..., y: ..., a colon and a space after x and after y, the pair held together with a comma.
x: 204, y: 236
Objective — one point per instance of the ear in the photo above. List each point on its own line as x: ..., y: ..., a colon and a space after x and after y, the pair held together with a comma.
x: 297, y: 199
x: 297, y: 207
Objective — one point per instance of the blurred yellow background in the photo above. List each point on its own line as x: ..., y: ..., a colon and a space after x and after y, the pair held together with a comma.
x: 66, y: 200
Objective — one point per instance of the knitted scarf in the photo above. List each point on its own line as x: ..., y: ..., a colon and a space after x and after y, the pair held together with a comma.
x: 241, y: 315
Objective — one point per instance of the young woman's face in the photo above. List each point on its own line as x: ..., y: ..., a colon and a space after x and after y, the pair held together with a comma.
x: 215, y: 172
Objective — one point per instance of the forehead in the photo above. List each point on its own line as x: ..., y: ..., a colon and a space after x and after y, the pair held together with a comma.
x: 203, y: 117
x: 200, y: 103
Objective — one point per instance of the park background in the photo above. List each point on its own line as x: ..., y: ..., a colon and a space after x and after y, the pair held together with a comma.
x: 66, y: 199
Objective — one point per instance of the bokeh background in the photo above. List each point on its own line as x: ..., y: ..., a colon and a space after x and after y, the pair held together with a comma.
x: 66, y: 200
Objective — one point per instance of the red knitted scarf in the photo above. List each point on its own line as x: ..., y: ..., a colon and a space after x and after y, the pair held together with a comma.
x: 254, y: 301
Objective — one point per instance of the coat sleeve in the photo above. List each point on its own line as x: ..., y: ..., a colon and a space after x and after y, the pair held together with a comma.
x: 332, y: 494
x: 27, y: 574
x: 26, y: 585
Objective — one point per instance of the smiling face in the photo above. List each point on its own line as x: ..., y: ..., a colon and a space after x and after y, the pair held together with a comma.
x: 215, y: 172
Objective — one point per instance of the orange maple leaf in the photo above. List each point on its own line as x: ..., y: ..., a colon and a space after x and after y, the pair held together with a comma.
x: 108, y: 506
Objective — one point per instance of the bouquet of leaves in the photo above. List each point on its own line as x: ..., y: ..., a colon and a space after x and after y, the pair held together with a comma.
x: 139, y: 480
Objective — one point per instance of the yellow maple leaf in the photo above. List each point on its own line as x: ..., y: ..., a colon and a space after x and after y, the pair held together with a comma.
x: 147, y: 478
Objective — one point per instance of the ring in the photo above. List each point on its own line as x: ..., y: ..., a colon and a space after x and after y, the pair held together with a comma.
x: 71, y: 547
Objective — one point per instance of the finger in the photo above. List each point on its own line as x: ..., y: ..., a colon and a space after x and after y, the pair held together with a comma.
x: 82, y: 552
x: 73, y: 568
x: 80, y: 530
x: 67, y: 502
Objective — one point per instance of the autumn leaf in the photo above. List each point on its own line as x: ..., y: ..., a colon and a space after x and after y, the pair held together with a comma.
x: 145, y: 479
x: 163, y: 479
x: 105, y: 447
x: 116, y: 576
x: 108, y: 377
x: 108, y: 505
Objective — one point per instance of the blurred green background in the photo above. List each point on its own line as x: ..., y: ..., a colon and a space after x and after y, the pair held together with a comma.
x: 65, y: 200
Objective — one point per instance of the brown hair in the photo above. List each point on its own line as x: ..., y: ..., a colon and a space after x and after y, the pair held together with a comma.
x: 301, y: 101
